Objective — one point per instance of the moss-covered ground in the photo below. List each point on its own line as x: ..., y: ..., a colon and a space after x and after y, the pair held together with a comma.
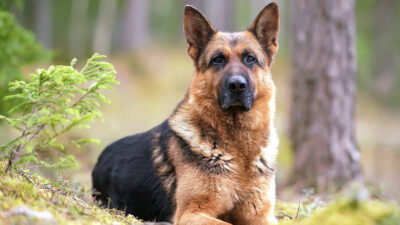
x: 342, y: 211
x: 31, y: 199
x: 27, y: 198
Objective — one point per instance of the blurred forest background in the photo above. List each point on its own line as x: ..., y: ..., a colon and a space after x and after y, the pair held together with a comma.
x: 145, y: 42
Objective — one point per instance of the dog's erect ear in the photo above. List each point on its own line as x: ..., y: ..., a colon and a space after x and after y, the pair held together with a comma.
x: 198, y: 31
x: 265, y: 27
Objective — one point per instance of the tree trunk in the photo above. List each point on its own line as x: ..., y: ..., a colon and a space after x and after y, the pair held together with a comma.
x: 323, y: 97
x: 78, y: 29
x: 220, y: 13
x: 104, y: 27
x: 42, y: 22
x: 135, y: 29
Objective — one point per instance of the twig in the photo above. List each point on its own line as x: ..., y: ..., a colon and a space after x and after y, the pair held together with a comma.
x: 285, y: 214
x: 24, y: 132
x: 88, y: 91
x: 22, y: 173
x: 36, y: 132
x: 15, y: 151
x: 81, y: 201
x: 21, y: 146
x: 297, y: 213
x: 125, y: 220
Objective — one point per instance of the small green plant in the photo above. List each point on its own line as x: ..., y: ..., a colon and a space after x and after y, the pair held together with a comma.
x: 52, y: 103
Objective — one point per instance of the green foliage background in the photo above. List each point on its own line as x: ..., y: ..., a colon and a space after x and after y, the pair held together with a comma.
x: 18, y: 47
x: 367, y: 22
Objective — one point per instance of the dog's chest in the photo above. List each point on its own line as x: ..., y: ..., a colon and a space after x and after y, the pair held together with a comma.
x: 241, y: 160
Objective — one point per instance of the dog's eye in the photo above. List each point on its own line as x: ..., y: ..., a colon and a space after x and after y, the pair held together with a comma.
x: 218, y: 60
x: 249, y: 59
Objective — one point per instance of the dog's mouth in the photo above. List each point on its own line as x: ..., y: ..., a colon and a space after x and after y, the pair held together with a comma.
x: 237, y: 103
x: 240, y: 103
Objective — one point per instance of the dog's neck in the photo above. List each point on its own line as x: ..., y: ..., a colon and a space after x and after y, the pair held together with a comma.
x: 250, y: 131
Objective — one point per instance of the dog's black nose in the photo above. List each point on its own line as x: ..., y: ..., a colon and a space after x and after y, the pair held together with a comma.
x: 237, y: 84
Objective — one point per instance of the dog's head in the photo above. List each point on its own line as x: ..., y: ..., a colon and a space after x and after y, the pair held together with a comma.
x: 232, y: 69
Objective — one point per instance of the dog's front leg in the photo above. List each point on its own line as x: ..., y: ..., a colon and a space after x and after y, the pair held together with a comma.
x: 258, y: 207
x: 199, y: 207
x: 199, y: 201
x: 247, y: 214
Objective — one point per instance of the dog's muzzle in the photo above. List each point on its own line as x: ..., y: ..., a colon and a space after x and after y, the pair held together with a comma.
x: 236, y: 91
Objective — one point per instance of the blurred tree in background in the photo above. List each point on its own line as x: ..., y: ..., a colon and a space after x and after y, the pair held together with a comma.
x: 323, y: 98
x: 135, y: 32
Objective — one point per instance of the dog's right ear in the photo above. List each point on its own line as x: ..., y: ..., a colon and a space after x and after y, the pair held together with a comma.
x: 198, y: 31
x: 266, y: 27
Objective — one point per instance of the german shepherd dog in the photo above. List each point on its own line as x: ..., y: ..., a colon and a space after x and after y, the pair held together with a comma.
x: 212, y: 161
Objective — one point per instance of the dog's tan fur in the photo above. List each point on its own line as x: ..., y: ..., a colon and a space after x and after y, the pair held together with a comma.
x: 235, y: 182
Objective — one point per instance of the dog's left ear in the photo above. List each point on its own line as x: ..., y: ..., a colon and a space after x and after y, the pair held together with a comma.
x: 265, y: 27
x: 197, y: 29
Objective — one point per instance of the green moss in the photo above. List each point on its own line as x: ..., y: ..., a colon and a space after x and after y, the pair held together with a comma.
x: 65, y: 208
x: 347, y: 212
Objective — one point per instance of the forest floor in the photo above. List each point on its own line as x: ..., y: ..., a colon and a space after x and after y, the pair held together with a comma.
x: 27, y: 198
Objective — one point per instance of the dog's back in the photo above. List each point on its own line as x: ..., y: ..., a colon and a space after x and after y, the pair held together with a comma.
x: 125, y: 178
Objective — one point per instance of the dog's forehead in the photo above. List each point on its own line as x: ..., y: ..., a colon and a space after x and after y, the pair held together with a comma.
x: 235, y: 40
x: 234, y: 37
x: 234, y: 44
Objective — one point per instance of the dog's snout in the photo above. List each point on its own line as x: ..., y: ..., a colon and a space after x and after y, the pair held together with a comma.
x: 237, y: 84
x: 236, y: 90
